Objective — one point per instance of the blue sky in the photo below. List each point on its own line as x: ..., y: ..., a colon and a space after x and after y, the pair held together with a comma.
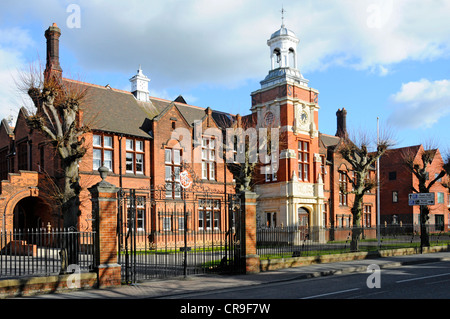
x: 377, y: 58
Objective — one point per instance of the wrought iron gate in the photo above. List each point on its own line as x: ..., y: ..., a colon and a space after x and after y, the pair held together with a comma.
x: 185, y: 234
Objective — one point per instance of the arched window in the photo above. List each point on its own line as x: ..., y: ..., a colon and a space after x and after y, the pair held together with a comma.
x: 292, y: 59
x: 276, y: 58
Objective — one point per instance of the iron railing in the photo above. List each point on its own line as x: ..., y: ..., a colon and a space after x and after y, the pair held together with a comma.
x: 192, y: 235
x: 315, y: 241
x: 38, y: 252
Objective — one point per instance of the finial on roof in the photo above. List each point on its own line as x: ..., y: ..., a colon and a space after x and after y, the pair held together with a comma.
x: 282, y: 16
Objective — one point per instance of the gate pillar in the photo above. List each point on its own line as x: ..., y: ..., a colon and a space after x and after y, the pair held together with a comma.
x: 248, y: 237
x: 104, y: 212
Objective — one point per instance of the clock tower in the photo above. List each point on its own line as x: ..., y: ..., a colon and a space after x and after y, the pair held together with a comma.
x: 139, y: 86
x: 286, y: 101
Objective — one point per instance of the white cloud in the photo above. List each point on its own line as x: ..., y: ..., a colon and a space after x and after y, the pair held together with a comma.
x: 421, y: 104
x: 13, y: 42
x: 187, y: 43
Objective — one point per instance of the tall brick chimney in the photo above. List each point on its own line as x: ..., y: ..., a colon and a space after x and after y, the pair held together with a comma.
x: 341, y: 116
x: 52, y: 67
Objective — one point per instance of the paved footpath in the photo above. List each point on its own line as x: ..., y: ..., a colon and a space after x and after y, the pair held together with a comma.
x: 171, y: 288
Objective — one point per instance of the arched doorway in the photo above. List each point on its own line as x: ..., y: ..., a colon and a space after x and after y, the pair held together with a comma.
x: 31, y: 213
x: 303, y: 217
x: 303, y: 222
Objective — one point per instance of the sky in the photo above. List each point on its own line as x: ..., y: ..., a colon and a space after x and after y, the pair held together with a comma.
x: 379, y: 59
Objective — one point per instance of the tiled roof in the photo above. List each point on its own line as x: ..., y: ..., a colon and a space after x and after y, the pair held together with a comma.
x: 396, y: 155
x: 118, y: 111
x: 113, y: 110
x: 329, y: 140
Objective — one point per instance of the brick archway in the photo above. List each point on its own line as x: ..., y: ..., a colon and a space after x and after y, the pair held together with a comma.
x: 32, y: 212
x: 18, y: 187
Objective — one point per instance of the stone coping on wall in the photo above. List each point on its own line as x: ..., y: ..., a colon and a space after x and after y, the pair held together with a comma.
x: 274, y: 264
x: 46, y: 284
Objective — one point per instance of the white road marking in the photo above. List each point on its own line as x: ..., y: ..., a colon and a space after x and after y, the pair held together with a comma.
x: 331, y: 293
x: 420, y: 278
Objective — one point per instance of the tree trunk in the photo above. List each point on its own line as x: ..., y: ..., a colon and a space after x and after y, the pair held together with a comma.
x: 356, y: 230
x: 71, y: 211
x: 71, y: 200
x: 424, y: 236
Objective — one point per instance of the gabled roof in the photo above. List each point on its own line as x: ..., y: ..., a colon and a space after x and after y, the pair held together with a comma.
x: 396, y: 155
x: 192, y: 113
x: 189, y: 113
x: 8, y: 129
x: 22, y: 116
x: 329, y: 141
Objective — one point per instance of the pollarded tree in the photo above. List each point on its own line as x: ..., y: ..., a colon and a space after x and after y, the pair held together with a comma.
x: 56, y: 116
x: 418, y: 163
x: 362, y: 161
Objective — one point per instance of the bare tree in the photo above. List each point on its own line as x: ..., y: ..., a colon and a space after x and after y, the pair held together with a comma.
x: 362, y: 161
x: 57, y: 106
x: 248, y: 169
x: 57, y: 117
x: 418, y: 163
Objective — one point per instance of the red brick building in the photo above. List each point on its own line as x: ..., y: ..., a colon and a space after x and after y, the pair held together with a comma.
x: 397, y: 182
x: 132, y: 135
x: 338, y: 203
x: 144, y: 140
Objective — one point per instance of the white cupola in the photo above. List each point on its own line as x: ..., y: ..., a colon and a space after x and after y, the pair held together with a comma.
x: 139, y: 86
x: 283, y: 56
x: 283, y: 48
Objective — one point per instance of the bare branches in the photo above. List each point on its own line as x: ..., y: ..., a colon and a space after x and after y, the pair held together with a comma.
x: 362, y: 156
x: 418, y: 160
x: 57, y: 104
x: 58, y: 107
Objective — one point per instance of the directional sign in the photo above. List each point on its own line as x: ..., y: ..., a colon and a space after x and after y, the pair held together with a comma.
x: 423, y: 199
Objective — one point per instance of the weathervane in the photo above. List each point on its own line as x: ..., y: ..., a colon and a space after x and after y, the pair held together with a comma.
x: 282, y: 16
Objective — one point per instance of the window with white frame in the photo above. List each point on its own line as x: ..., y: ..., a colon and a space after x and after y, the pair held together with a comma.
x: 323, y: 167
x: 270, y: 172
x: 172, y: 160
x: 139, y: 218
x: 134, y: 156
x: 395, y: 197
x: 180, y: 223
x: 208, y: 214
x: 367, y: 215
x: 440, y: 198
x: 343, y: 184
x: 102, y: 151
x: 167, y: 223
x: 303, y: 161
x: 208, y: 158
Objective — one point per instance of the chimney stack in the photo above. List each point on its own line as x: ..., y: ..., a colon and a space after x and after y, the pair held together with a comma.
x: 52, y: 67
x: 341, y: 116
